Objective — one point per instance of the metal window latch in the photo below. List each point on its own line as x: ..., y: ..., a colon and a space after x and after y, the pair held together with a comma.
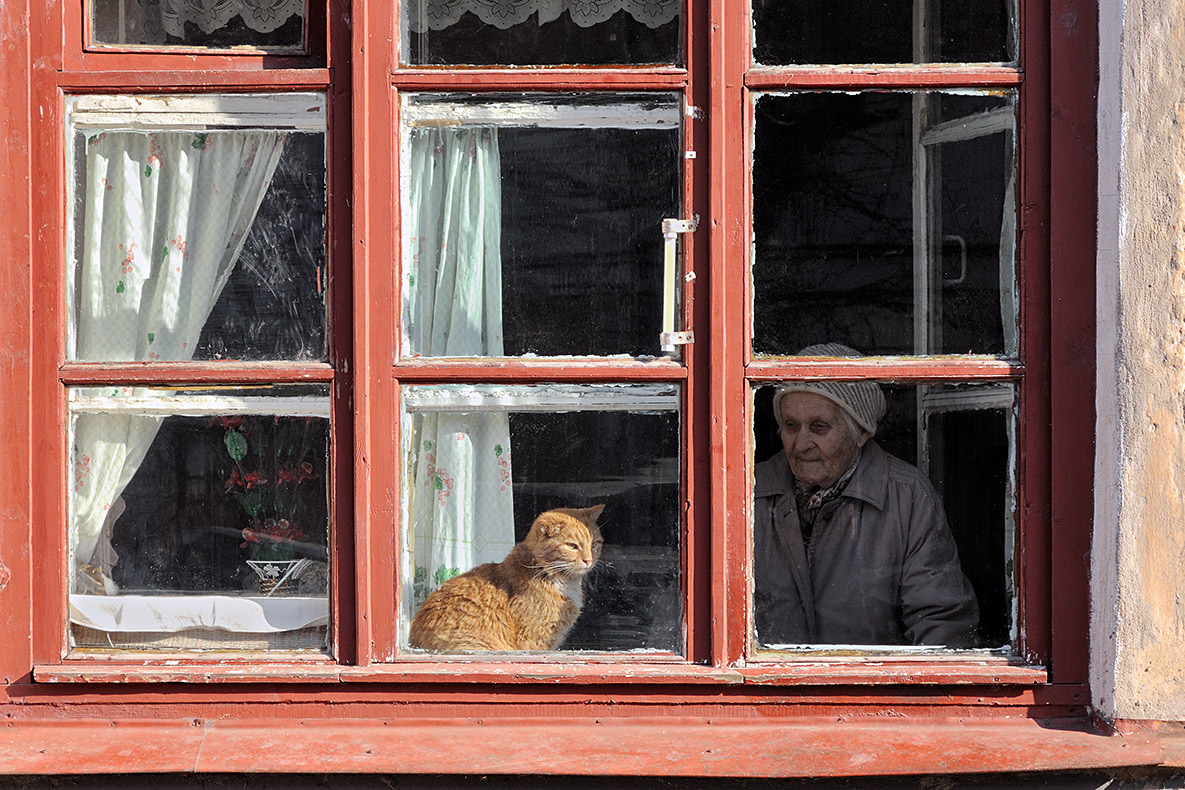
x: 669, y: 338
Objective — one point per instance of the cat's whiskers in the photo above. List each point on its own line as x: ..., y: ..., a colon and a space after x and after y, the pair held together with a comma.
x: 473, y: 613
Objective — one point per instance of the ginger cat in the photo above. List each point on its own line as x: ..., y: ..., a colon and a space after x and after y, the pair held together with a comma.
x: 529, y: 601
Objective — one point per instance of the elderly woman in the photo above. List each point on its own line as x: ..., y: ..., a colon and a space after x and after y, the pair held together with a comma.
x: 851, y: 545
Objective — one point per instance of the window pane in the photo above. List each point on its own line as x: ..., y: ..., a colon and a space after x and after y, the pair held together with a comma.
x: 912, y: 548
x: 483, y: 462
x: 535, y: 226
x: 258, y: 24
x: 929, y: 31
x: 197, y: 243
x: 532, y: 33
x: 199, y: 520
x: 864, y: 237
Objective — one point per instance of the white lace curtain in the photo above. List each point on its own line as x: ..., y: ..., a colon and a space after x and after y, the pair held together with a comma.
x: 502, y: 14
x: 461, y: 500
x: 165, y: 218
x: 262, y: 16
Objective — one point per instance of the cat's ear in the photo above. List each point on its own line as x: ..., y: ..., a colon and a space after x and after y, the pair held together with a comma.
x: 548, y: 527
x: 593, y: 513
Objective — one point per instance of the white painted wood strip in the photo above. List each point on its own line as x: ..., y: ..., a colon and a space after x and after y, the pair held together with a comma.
x: 297, y: 111
x: 201, y: 405
x: 417, y: 112
x: 971, y: 127
x: 540, y: 398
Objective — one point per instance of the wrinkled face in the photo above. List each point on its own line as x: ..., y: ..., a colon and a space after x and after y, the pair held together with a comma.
x: 817, y: 439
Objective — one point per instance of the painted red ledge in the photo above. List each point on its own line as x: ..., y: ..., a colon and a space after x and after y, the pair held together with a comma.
x: 653, y: 747
x: 805, y: 673
x: 546, y: 77
x: 901, y: 76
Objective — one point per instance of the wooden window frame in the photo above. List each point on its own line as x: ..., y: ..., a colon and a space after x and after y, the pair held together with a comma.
x: 69, y: 69
x: 1051, y: 264
x: 358, y: 70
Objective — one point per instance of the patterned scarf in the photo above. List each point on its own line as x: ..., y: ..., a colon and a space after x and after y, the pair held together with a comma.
x: 810, y: 502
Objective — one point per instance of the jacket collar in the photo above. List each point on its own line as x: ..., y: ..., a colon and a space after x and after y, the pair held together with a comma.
x: 870, y: 483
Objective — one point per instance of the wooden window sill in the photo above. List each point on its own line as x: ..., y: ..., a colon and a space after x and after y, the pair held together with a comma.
x: 673, y: 745
x: 109, y: 669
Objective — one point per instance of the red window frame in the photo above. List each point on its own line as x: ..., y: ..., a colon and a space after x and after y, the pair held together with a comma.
x: 71, y: 69
x: 357, y: 67
x: 1053, y: 550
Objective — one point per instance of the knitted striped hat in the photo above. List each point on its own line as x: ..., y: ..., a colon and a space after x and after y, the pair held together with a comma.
x: 863, y: 400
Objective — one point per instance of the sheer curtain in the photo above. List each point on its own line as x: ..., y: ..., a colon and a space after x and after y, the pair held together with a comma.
x: 439, y: 14
x: 159, y: 17
x: 165, y: 215
x: 461, y: 501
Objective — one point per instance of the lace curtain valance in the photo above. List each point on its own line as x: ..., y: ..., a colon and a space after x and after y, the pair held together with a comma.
x: 262, y: 16
x: 502, y: 14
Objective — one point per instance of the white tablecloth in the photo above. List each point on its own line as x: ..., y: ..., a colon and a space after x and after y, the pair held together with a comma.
x: 172, y: 613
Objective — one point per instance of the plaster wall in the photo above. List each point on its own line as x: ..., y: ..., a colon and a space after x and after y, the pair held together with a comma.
x: 1138, y: 556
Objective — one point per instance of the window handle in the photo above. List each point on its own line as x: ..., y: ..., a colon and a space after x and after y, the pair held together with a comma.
x: 671, y: 228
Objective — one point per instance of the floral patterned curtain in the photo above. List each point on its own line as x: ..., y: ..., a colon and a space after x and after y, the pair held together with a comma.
x: 165, y: 214
x: 461, y: 500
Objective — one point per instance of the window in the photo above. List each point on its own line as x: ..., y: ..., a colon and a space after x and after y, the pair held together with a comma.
x: 884, y: 225
x: 884, y: 360
x: 270, y: 25
x: 345, y: 309
x: 533, y: 229
x: 199, y: 518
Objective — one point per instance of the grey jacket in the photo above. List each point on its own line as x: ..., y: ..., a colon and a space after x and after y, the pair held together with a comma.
x: 882, y: 568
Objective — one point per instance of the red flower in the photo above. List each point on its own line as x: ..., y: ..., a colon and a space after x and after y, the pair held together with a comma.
x: 272, y: 531
x: 296, y: 474
x: 248, y: 480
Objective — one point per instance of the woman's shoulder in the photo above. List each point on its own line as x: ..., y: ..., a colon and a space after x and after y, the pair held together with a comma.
x: 772, y: 476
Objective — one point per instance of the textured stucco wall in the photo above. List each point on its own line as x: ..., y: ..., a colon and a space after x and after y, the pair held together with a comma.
x: 1138, y: 558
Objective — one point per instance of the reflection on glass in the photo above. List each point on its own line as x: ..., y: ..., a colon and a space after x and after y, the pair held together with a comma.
x: 199, y: 245
x: 535, y: 226
x: 483, y: 462
x: 535, y: 33
x: 273, y: 25
x: 929, y: 31
x: 199, y: 519
x: 864, y: 236
x: 883, y: 514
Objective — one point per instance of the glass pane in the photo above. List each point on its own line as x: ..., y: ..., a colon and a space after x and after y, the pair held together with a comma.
x: 535, y: 225
x: 198, y: 244
x: 883, y: 515
x: 199, y: 519
x: 486, y: 466
x: 274, y: 25
x: 864, y: 237
x: 926, y: 31
x: 530, y: 33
